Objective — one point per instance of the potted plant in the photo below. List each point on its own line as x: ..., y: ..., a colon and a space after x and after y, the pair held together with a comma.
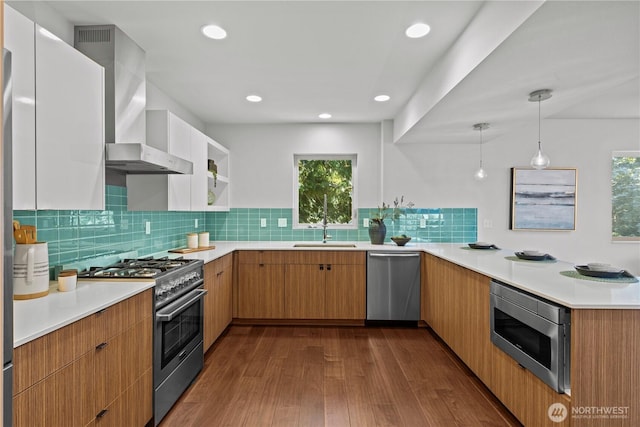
x: 377, y: 227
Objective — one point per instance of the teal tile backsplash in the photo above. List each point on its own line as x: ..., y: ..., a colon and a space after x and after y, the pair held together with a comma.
x: 77, y: 234
x: 74, y: 235
x: 441, y: 225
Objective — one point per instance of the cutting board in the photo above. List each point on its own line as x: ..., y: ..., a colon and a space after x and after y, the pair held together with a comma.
x: 190, y: 250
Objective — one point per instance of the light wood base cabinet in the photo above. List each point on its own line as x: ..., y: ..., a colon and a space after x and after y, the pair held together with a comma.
x: 456, y: 306
x: 260, y: 285
x: 526, y: 396
x: 64, y: 398
x: 96, y: 371
x: 218, y: 281
x: 327, y: 285
x: 605, y: 367
x: 301, y: 285
x: 304, y: 290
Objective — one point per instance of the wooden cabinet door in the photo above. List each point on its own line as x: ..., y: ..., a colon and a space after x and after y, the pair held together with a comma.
x: 304, y: 286
x: 474, y: 346
x: 43, y: 356
x: 223, y: 304
x: 456, y: 304
x: 123, y: 354
x: 345, y: 292
x: 65, y: 398
x: 424, y: 301
x: 209, y: 308
x: 526, y: 396
x: 218, y: 300
x: 435, y: 295
x: 261, y: 291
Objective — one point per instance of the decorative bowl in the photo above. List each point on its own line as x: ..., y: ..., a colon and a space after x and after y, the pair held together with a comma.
x: 532, y: 252
x: 400, y: 240
x: 598, y: 266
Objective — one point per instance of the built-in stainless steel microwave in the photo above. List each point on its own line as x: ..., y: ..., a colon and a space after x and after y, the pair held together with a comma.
x: 534, y: 331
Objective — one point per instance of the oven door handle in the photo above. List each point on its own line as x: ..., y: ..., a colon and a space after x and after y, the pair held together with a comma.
x: 163, y: 316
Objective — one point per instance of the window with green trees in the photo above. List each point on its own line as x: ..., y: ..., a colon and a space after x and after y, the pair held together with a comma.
x: 625, y: 191
x: 317, y: 175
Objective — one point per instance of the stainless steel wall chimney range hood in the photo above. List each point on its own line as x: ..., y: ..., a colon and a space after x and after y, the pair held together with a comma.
x: 123, y: 60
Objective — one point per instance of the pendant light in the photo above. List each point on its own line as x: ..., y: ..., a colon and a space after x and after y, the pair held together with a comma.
x: 480, y: 173
x: 540, y: 160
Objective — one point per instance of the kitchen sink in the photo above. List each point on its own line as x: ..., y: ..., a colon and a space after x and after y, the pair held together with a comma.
x: 324, y: 245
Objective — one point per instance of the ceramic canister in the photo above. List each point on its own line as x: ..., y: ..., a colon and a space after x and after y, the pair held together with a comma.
x: 203, y: 239
x: 67, y: 280
x: 31, y: 270
x: 192, y: 240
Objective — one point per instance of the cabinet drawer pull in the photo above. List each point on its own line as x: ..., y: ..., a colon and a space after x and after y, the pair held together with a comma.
x: 101, y: 345
x: 329, y: 267
x: 261, y: 265
x: 99, y: 312
x: 321, y: 266
x: 102, y: 413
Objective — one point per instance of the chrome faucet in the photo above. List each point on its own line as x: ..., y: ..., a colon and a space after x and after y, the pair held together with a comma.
x: 325, y: 236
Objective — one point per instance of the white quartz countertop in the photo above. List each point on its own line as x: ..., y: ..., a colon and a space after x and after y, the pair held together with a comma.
x: 37, y: 317
x: 539, y: 278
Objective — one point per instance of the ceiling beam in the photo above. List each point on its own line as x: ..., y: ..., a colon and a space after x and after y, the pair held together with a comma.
x: 493, y: 24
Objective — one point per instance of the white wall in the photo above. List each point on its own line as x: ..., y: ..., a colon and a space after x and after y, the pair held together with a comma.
x: 442, y: 176
x: 158, y: 100
x: 262, y: 158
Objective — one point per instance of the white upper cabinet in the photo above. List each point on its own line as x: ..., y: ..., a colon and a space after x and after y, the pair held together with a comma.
x: 201, y: 191
x: 58, y: 120
x: 199, y: 177
x: 69, y: 127
x: 19, y: 38
x: 171, y: 134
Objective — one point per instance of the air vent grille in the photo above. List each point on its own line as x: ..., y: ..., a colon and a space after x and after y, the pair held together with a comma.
x: 94, y: 35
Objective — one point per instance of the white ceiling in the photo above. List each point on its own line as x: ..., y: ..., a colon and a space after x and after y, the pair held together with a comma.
x: 308, y: 57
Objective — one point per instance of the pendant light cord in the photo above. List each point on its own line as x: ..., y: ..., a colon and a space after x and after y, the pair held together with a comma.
x: 539, y: 136
x: 480, y: 148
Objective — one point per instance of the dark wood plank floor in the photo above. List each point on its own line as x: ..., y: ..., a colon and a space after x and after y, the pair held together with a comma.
x: 334, y: 376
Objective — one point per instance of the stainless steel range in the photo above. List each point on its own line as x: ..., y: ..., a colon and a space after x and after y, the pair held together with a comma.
x: 178, y: 354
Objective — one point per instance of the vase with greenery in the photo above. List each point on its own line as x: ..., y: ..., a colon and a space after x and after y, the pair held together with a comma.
x: 377, y: 227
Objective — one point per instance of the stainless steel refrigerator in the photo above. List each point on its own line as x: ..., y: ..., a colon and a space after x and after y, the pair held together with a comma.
x: 7, y: 244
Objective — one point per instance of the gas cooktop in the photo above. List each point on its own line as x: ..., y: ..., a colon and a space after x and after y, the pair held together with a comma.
x: 141, y: 268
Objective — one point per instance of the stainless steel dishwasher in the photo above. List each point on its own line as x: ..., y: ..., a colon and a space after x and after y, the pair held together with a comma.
x: 393, y: 286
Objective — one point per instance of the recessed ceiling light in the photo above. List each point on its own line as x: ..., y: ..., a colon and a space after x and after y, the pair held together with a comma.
x: 254, y: 98
x: 382, y: 98
x: 214, y: 32
x: 324, y: 115
x: 417, y: 30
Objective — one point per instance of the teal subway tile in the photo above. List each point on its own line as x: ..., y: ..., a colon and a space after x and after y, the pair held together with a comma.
x: 87, y: 233
x: 48, y: 235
